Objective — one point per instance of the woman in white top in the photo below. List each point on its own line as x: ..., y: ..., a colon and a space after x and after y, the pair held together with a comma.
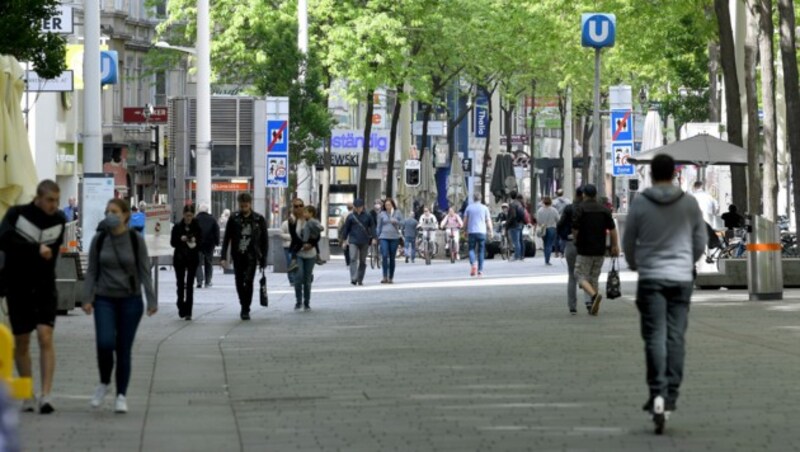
x: 547, y: 218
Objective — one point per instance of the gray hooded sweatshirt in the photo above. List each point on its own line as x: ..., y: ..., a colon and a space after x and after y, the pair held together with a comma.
x: 664, y: 234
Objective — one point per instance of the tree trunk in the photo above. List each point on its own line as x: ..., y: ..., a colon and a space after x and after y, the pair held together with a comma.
x: 509, y: 117
x: 732, y: 97
x: 326, y: 162
x: 362, y: 180
x: 751, y: 91
x: 770, y: 149
x: 714, y: 105
x: 426, y: 116
x: 588, y: 130
x: 452, y: 125
x: 393, y: 142
x: 789, y: 56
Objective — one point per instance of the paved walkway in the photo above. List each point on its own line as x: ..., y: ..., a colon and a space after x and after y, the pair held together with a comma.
x: 437, y: 361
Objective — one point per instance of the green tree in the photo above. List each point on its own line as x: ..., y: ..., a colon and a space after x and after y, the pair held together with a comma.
x: 21, y: 22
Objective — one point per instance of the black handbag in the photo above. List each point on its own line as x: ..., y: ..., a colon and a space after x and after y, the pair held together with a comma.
x: 613, y: 285
x: 263, y: 292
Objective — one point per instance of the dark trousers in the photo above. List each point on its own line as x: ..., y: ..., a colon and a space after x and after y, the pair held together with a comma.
x: 205, y: 268
x: 389, y: 255
x: 115, y: 324
x: 185, y: 273
x: 245, y: 273
x: 664, y: 313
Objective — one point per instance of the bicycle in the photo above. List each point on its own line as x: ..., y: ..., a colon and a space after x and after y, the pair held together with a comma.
x: 427, y: 248
x: 505, y: 243
x: 374, y: 256
x: 453, y: 237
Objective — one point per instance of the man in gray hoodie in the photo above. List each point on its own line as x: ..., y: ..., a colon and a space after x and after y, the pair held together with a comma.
x: 665, y: 235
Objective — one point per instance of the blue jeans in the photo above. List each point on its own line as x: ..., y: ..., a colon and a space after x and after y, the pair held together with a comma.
x: 288, y: 254
x: 480, y: 241
x: 515, y: 234
x: 115, y: 324
x: 411, y: 248
x: 549, y: 240
x: 304, y: 276
x: 664, y: 313
x: 389, y: 255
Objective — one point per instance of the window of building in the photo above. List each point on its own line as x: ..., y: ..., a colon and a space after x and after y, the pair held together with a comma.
x: 161, y: 88
x: 223, y: 160
x: 245, y: 160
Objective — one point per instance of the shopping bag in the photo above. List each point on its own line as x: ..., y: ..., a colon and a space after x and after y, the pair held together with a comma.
x: 613, y: 285
x: 263, y: 292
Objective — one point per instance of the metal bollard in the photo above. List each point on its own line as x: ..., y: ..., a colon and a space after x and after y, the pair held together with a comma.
x: 764, y: 266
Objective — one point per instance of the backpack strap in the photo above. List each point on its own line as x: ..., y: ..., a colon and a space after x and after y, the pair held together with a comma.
x: 101, y: 236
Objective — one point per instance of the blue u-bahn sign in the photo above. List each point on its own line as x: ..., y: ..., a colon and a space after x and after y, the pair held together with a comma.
x: 598, y: 30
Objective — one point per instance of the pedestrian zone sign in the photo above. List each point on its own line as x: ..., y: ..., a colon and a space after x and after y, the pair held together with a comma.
x: 620, y: 153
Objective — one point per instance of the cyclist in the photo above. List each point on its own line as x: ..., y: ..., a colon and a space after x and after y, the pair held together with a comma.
x: 428, y: 225
x: 452, y: 225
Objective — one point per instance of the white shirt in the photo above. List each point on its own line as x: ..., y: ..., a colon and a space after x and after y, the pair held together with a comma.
x: 428, y: 221
x: 708, y: 205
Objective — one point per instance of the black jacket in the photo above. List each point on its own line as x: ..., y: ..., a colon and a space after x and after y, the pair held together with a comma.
x: 209, y: 229
x: 183, y: 251
x: 257, y: 246
x: 26, y: 271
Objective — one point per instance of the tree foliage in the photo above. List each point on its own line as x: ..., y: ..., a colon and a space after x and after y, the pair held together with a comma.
x: 21, y: 37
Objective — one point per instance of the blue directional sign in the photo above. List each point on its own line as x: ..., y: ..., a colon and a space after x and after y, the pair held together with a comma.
x: 598, y: 30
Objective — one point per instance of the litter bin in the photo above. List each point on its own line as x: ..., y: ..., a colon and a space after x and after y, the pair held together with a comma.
x: 764, y: 266
x: 276, y: 256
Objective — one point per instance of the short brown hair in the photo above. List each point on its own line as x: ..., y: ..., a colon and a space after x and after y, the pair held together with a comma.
x: 547, y: 201
x: 47, y: 186
x: 312, y: 210
x: 244, y: 197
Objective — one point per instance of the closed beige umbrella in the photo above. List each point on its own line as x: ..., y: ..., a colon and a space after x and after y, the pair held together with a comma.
x: 18, y: 176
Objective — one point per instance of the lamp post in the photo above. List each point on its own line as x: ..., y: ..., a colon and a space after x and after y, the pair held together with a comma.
x: 203, y: 194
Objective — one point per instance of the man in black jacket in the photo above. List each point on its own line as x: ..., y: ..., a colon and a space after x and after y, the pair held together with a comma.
x: 31, y: 236
x: 209, y: 231
x: 246, y: 237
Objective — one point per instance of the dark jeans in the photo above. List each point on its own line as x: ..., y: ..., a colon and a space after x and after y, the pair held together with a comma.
x: 304, y: 276
x: 549, y: 239
x: 115, y: 323
x: 515, y: 234
x: 245, y: 272
x: 411, y: 248
x: 480, y: 241
x: 185, y: 274
x: 389, y: 255
x: 664, y: 312
x: 205, y: 268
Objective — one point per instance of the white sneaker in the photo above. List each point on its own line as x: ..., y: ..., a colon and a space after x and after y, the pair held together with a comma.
x: 99, y: 395
x: 121, y: 405
x: 28, y: 405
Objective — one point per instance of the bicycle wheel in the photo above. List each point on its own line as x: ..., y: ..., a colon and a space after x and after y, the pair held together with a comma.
x: 428, y: 252
x: 377, y: 257
x: 371, y: 256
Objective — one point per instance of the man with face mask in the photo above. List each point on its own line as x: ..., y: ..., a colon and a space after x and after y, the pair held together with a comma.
x: 246, y: 238
x: 31, y: 236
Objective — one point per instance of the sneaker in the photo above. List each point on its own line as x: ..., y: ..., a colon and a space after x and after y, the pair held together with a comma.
x: 298, y: 305
x: 353, y: 283
x: 306, y: 307
x: 360, y: 283
x: 208, y: 285
x: 28, y: 406
x: 99, y: 395
x: 573, y: 311
x: 384, y: 281
x: 320, y: 261
x: 121, y: 404
x: 46, y: 405
x: 589, y: 308
x: 187, y: 318
x: 659, y: 416
x: 596, y: 299
x: 473, y: 270
x: 406, y: 260
x: 245, y: 316
x: 199, y: 286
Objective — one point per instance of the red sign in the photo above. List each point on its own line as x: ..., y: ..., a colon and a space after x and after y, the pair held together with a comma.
x: 226, y: 186
x: 136, y: 115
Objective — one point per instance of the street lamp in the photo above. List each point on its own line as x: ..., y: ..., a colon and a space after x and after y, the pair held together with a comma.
x: 166, y: 45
